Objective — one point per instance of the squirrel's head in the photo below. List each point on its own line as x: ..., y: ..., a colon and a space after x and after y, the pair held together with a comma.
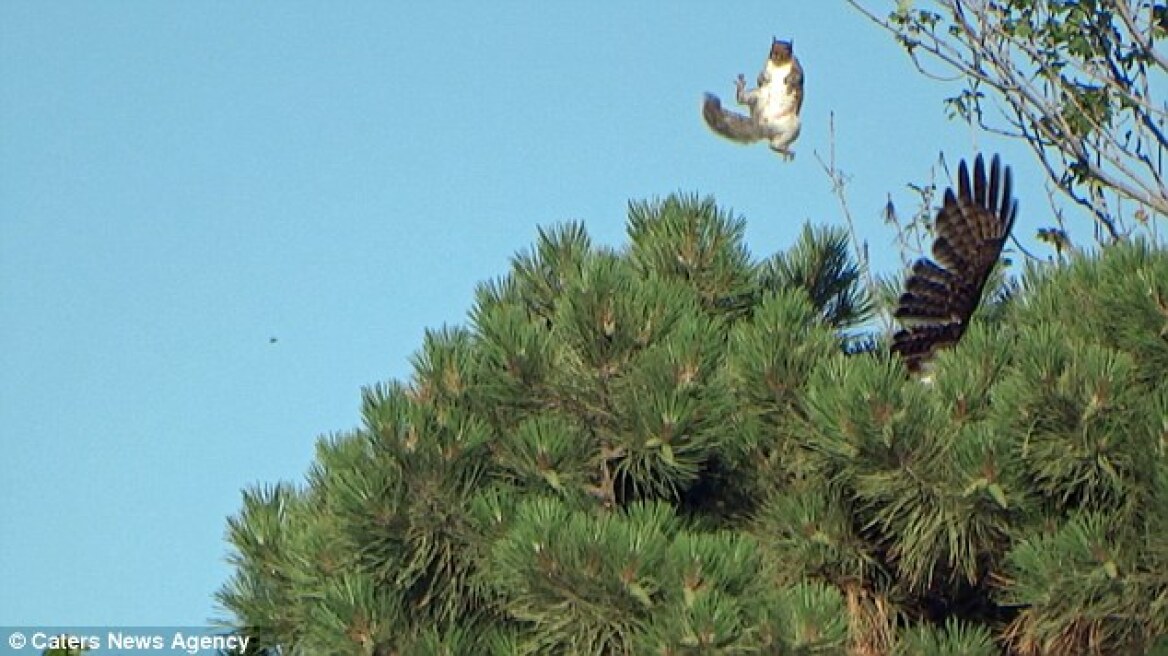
x: 782, y: 51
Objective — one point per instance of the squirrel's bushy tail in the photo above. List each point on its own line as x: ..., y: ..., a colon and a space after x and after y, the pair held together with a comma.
x: 731, y: 125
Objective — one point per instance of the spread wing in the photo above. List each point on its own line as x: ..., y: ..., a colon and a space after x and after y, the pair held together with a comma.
x: 941, y: 294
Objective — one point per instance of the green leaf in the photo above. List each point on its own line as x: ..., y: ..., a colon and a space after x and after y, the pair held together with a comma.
x: 667, y: 454
x: 999, y: 495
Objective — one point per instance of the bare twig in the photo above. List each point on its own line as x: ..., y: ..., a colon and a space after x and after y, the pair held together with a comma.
x: 838, y: 187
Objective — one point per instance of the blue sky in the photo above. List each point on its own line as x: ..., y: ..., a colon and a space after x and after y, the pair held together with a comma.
x: 179, y: 182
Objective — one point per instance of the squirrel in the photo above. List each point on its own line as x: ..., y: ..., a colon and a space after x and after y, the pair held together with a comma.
x: 774, y: 105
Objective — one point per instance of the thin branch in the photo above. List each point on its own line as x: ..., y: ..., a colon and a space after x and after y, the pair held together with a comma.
x: 1129, y: 21
x: 838, y: 184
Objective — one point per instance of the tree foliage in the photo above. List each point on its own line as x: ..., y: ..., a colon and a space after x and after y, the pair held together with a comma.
x: 668, y: 449
x: 68, y: 646
x: 1081, y: 83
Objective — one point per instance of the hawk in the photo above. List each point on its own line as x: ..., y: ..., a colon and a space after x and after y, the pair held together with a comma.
x: 942, y: 293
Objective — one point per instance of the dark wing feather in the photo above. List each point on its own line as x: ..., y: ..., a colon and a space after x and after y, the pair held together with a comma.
x: 942, y: 294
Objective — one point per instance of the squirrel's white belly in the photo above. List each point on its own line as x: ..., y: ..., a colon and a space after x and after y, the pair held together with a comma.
x: 777, y: 106
x: 784, y: 122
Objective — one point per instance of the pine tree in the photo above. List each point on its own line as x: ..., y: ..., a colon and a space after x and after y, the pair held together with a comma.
x: 672, y: 448
x: 66, y: 645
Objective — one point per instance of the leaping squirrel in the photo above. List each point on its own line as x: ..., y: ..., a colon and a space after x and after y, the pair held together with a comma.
x: 774, y: 105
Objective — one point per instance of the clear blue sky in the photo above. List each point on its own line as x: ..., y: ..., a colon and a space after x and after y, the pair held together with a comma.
x: 180, y: 181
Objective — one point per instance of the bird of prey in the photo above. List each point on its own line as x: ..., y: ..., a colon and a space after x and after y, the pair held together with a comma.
x: 942, y: 293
